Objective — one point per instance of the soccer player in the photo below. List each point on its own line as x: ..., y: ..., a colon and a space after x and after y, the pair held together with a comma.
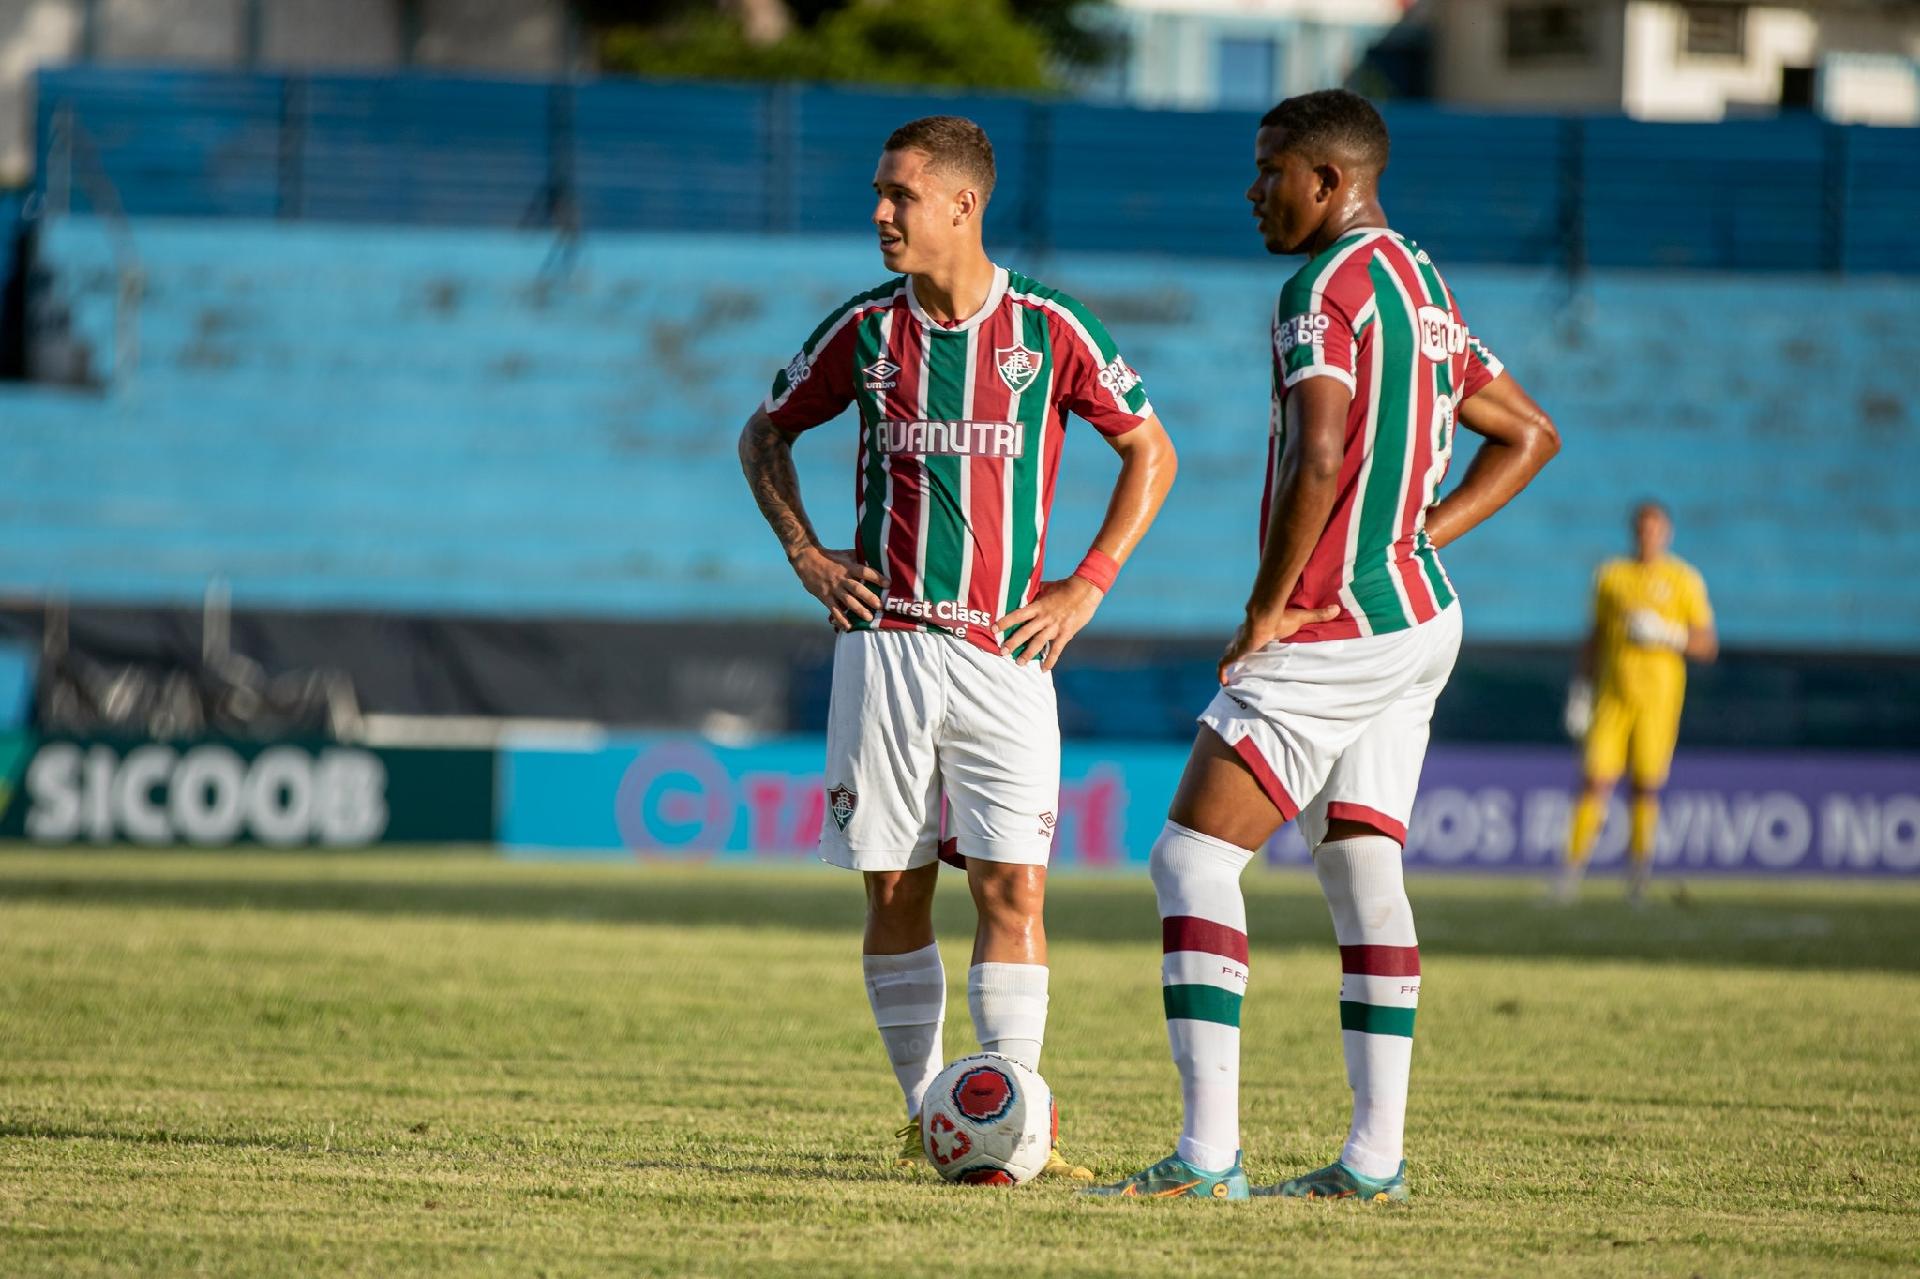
x: 1350, y: 633
x: 964, y: 372
x: 1650, y: 614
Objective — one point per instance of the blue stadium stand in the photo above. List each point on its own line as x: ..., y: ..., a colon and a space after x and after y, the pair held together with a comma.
x: 341, y: 415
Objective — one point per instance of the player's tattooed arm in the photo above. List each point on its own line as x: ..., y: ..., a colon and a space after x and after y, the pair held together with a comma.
x: 1306, y: 487
x: 836, y: 578
x: 1059, y: 610
x: 1518, y: 438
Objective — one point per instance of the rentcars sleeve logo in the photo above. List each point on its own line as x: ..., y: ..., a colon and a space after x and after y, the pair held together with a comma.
x: 1441, y: 336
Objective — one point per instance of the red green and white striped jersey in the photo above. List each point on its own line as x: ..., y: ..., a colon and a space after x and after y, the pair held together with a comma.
x: 961, y: 428
x: 1372, y: 312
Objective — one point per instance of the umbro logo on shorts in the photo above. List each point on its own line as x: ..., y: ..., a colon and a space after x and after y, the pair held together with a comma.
x: 1046, y: 825
x: 841, y: 802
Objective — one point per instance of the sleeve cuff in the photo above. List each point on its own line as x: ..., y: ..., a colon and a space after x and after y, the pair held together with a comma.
x: 1341, y: 376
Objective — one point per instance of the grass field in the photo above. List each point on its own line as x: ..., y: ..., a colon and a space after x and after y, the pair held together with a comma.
x: 438, y: 1064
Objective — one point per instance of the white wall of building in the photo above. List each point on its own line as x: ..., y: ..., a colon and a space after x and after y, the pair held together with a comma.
x: 1664, y: 82
x: 1871, y: 88
x: 1174, y: 48
x: 1866, y: 58
x: 32, y: 33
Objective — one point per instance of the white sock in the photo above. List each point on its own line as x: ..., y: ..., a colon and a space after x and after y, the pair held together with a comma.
x: 1379, y: 990
x: 1009, y: 1007
x: 1203, y: 978
x: 909, y: 998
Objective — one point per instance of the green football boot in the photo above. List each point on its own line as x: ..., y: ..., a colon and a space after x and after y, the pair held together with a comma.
x: 1337, y: 1181
x: 1173, y: 1178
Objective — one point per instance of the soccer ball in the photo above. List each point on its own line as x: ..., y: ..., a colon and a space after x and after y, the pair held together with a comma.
x: 988, y: 1121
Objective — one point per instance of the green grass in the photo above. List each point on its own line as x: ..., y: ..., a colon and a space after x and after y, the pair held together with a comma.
x: 310, y: 1065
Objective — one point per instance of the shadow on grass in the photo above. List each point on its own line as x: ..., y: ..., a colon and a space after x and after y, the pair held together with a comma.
x: 1755, y: 926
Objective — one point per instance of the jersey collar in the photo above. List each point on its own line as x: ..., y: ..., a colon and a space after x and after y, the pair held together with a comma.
x: 994, y: 296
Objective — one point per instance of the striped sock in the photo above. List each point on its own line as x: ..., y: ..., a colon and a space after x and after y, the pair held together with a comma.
x: 908, y: 994
x: 1203, y: 977
x: 1379, y: 991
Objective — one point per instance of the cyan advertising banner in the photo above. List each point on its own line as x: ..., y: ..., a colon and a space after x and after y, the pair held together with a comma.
x: 680, y: 796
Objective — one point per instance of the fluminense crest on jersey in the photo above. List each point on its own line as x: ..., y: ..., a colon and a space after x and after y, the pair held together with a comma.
x: 1018, y: 366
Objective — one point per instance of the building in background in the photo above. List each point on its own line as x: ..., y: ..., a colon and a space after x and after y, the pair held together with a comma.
x: 1855, y: 61
x: 525, y: 37
x: 1235, y: 55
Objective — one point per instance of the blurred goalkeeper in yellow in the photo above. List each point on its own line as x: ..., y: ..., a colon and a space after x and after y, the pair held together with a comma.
x: 1650, y: 614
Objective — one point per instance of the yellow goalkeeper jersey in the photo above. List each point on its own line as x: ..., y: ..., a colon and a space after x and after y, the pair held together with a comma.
x: 1669, y: 587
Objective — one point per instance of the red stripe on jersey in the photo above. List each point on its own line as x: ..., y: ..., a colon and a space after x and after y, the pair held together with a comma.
x: 1380, y: 961
x: 1413, y: 581
x: 1394, y: 830
x: 1067, y: 345
x: 1190, y: 932
x: 906, y: 471
x: 987, y: 476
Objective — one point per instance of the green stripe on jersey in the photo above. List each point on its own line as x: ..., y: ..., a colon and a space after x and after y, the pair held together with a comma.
x: 873, y: 523
x: 1376, y: 1019
x: 1202, y: 1003
x: 1022, y: 548
x: 1379, y: 514
x: 947, y: 371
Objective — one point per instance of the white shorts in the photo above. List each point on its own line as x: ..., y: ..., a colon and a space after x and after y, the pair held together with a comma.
x: 1340, y: 724
x: 916, y: 716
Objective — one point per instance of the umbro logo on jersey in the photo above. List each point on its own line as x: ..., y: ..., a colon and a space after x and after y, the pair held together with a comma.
x: 881, y: 375
x: 1018, y: 366
x: 841, y: 801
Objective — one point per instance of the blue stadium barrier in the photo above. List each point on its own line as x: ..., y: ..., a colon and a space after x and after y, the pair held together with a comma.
x: 333, y: 415
x: 1786, y: 195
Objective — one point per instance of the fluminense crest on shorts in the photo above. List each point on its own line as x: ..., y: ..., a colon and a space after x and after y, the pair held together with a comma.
x: 841, y: 802
x: 1018, y: 366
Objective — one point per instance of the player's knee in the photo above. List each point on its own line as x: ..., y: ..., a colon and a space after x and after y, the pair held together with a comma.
x: 905, y: 894
x: 1007, y: 893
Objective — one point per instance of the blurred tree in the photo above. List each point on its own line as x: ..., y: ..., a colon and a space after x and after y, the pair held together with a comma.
x: 955, y: 43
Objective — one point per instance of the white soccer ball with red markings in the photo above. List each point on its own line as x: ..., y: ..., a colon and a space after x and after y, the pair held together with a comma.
x: 987, y: 1120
